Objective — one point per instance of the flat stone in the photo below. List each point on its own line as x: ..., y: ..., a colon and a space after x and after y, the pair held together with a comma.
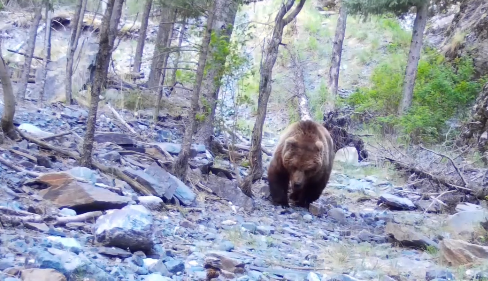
x: 317, y: 208
x: 39, y: 274
x: 408, y: 237
x: 229, y: 190
x: 156, y: 186
x: 117, y: 138
x: 223, y: 261
x: 397, y: 203
x: 366, y: 236
x: 458, y: 252
x: 83, y: 197
x: 111, y: 156
x: 151, y: 202
x: 41, y: 227
x: 113, y: 252
x: 34, y: 130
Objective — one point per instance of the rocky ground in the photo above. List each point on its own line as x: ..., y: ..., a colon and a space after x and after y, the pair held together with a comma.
x: 64, y: 222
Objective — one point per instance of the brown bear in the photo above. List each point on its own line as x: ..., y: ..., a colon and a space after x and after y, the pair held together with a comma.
x: 303, y: 159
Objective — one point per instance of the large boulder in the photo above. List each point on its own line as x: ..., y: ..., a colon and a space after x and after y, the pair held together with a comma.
x: 458, y: 252
x: 467, y: 34
x: 130, y: 227
x: 66, y: 192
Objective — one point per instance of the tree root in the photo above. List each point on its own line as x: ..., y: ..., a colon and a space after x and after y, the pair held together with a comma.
x: 429, y: 176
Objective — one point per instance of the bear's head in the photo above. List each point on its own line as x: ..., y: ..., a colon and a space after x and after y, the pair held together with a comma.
x: 302, y: 158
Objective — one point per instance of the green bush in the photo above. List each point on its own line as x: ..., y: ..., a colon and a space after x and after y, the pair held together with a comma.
x: 442, y: 91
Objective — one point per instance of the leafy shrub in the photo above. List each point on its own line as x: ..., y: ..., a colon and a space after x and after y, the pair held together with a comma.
x: 442, y: 91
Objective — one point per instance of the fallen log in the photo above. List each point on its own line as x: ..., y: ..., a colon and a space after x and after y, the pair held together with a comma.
x: 18, y: 169
x: 426, y: 175
x: 79, y: 218
x: 138, y: 188
x: 117, y: 115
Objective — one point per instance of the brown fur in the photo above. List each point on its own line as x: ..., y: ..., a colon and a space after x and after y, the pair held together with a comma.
x: 303, y: 159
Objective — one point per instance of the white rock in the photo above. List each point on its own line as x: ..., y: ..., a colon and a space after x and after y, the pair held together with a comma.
x: 347, y: 155
x: 34, y: 130
x: 130, y: 227
x: 151, y: 202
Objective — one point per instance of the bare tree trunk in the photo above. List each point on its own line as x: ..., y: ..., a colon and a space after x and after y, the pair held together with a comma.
x: 300, y: 89
x: 73, y: 44
x: 414, y: 57
x: 180, y: 166
x: 178, y: 54
x: 335, y: 62
x: 142, y: 36
x: 108, y: 32
x: 160, y: 47
x: 8, y: 101
x: 31, y: 45
x: 162, y: 77
x: 223, y: 25
x: 47, y: 52
x: 271, y: 53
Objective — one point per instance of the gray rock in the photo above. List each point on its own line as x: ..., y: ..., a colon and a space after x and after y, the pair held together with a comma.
x: 65, y: 212
x: 84, y: 173
x: 172, y: 185
x: 466, y: 221
x: 337, y: 214
x: 366, y: 236
x: 249, y: 226
x: 131, y: 227
x: 175, y: 266
x: 156, y: 266
x: 312, y: 276
x: 265, y: 230
x: 111, y: 156
x: 151, y: 202
x: 175, y: 148
x: 396, y: 202
x: 229, y: 190
x: 153, y: 183
x: 226, y: 246
x: 409, y: 237
x: 66, y: 242
x: 113, y: 252
x: 307, y: 218
x: 117, y: 138
x: 69, y: 264
x: 439, y: 273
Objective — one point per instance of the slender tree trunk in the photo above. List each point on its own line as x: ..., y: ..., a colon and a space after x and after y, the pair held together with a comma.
x: 108, y: 32
x: 142, y: 36
x: 414, y: 57
x: 162, y: 78
x: 73, y: 44
x: 8, y: 101
x: 299, y: 81
x: 335, y: 62
x: 47, y: 52
x: 223, y: 25
x: 271, y: 53
x: 31, y: 45
x: 160, y: 47
x: 178, y: 54
x: 180, y: 167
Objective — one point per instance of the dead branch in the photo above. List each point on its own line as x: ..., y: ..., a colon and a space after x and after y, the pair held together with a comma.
x: 78, y: 218
x: 429, y: 176
x: 117, y: 115
x: 18, y: 169
x: 108, y: 170
x: 452, y: 162
x: 13, y: 220
x: 24, y: 54
x: 11, y: 212
x: 436, y: 199
x: 55, y: 136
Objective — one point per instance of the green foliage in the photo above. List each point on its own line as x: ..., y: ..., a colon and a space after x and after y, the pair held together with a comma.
x: 317, y: 100
x: 442, y: 90
x: 378, y: 7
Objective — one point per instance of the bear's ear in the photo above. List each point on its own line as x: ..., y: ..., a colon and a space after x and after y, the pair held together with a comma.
x: 291, y: 142
x: 319, y: 145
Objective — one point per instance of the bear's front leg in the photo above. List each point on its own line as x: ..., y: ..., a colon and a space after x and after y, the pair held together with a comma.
x: 278, y: 187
